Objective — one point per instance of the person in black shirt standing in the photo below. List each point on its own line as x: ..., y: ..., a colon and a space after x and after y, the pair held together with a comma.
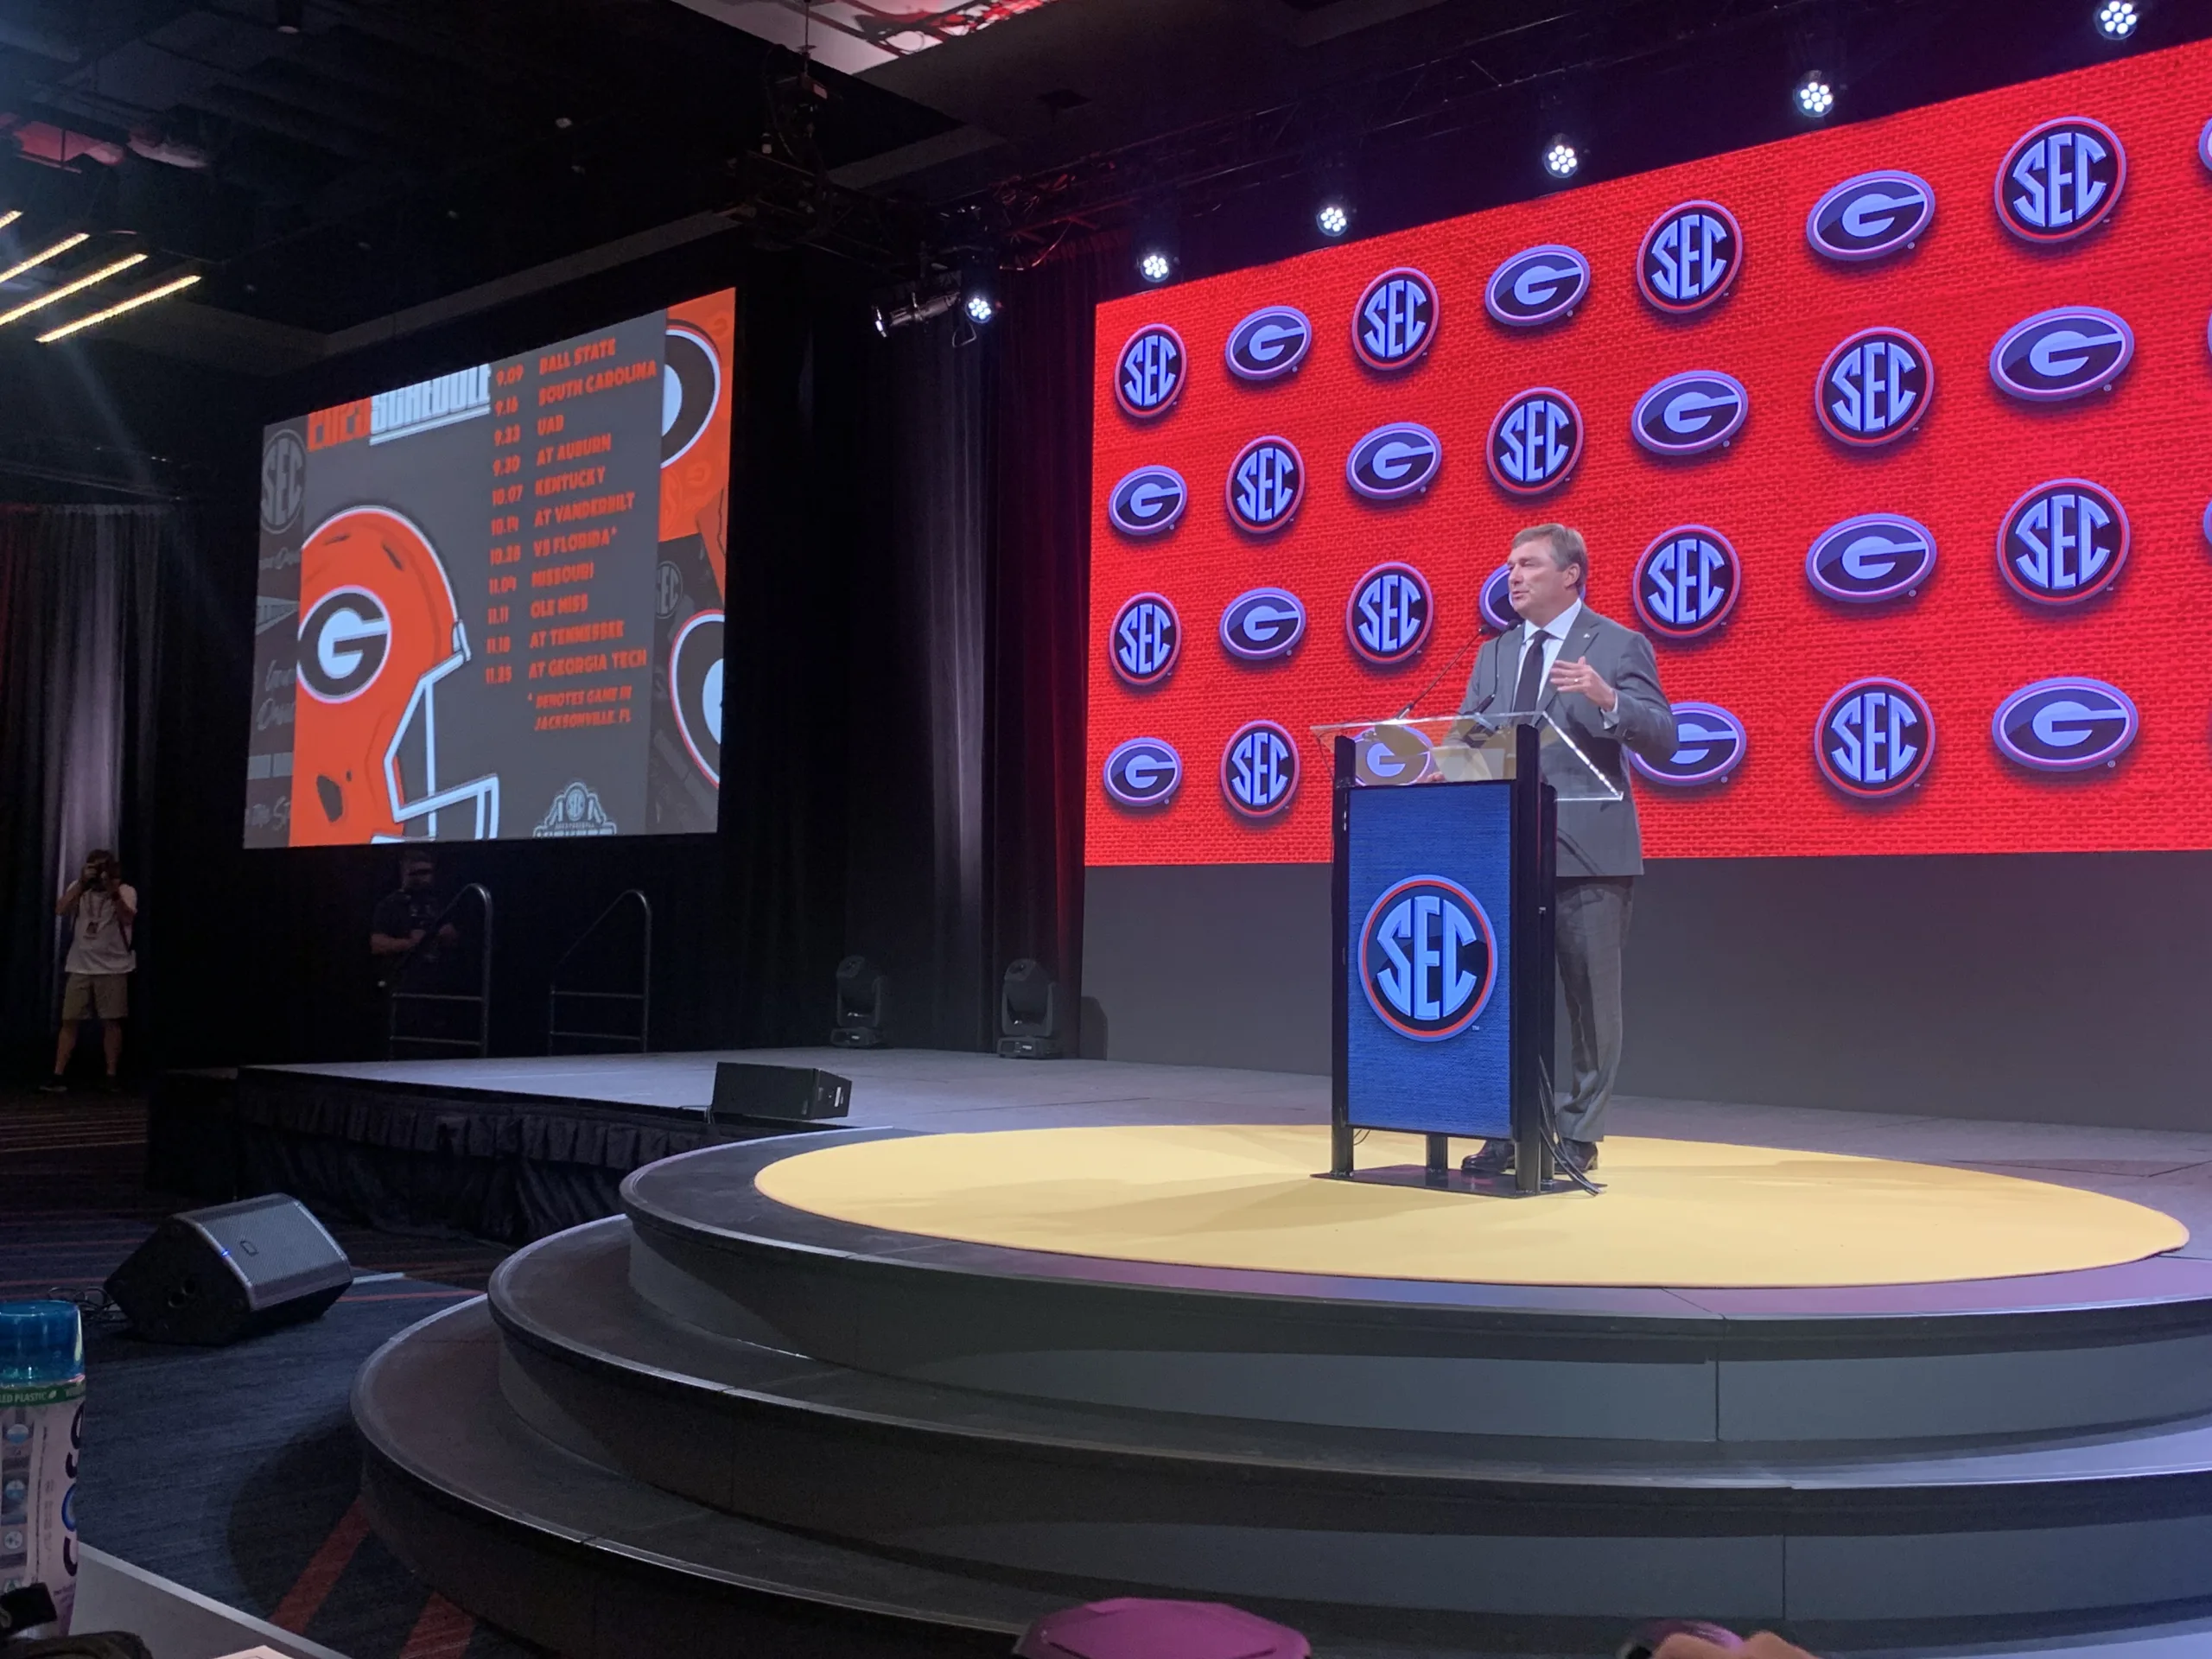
x: 403, y: 920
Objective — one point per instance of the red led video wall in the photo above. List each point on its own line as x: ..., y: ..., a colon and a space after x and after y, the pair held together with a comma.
x: 1895, y: 438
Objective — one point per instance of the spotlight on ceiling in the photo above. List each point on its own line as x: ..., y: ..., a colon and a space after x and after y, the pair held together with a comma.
x: 2116, y: 19
x: 1332, y: 217
x: 34, y: 261
x: 981, y: 306
x: 10, y: 217
x: 1561, y: 159
x: 1155, y: 265
x: 77, y: 286
x: 175, y: 285
x: 1814, y: 96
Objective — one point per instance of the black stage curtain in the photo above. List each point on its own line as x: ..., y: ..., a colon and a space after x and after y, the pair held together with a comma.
x: 80, y: 591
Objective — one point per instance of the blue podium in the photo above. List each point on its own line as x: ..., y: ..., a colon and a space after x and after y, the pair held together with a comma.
x: 1443, y: 842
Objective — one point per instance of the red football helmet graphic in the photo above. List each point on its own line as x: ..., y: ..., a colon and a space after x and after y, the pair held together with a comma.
x: 379, y: 630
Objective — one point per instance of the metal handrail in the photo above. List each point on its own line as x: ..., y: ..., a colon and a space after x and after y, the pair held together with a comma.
x: 481, y: 1044
x: 643, y: 996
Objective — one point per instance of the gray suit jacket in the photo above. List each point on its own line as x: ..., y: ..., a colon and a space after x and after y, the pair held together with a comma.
x: 1595, y: 837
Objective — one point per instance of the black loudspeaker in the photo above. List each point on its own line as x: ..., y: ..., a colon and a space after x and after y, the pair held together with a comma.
x: 780, y: 1093
x: 211, y: 1276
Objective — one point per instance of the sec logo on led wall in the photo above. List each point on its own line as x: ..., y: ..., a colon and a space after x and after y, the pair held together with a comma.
x: 1536, y: 286
x: 1269, y: 344
x: 1265, y: 483
x: 1874, y: 739
x: 1395, y: 323
x: 1870, y: 217
x: 2060, y: 354
x: 1534, y: 441
x: 1428, y: 958
x: 1687, y: 583
x: 2064, y: 725
x: 1259, y: 770
x: 1875, y: 388
x: 1871, y: 558
x: 2063, y: 542
x: 1387, y: 618
x: 2060, y: 180
x: 1148, y: 375
x: 1147, y: 637
x: 1690, y: 258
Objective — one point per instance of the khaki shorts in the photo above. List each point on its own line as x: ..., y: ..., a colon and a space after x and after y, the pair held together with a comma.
x: 106, y: 995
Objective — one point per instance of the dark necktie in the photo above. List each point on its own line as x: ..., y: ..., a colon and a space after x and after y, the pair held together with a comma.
x: 1525, y: 695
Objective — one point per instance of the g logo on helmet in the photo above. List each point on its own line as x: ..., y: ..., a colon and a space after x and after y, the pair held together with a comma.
x: 2056, y: 355
x: 2063, y: 542
x: 1496, y: 601
x: 1536, y: 286
x: 1146, y: 640
x: 1387, y: 617
x: 1709, y: 745
x: 1874, y: 739
x: 1393, y: 462
x: 1259, y: 770
x: 1534, y: 441
x: 1149, y: 373
x: 689, y: 389
x: 1428, y: 958
x: 1870, y: 558
x: 2064, y: 725
x: 695, y: 690
x: 1142, y: 773
x: 1262, y: 626
x: 1690, y: 258
x: 1265, y: 483
x: 1395, y: 320
x: 343, y: 643
x: 1870, y: 217
x: 1687, y: 583
x: 2062, y: 180
x: 1692, y: 413
x: 1269, y: 344
x: 1874, y: 388
x: 1148, y: 501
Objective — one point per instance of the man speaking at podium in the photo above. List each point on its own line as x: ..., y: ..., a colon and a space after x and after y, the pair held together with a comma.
x: 1598, y: 682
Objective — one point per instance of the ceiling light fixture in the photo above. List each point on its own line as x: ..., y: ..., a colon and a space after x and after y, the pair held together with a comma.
x: 67, y: 289
x: 40, y: 258
x: 118, y: 309
x: 1561, y: 159
x: 1813, y: 95
x: 10, y: 217
x: 2116, y: 19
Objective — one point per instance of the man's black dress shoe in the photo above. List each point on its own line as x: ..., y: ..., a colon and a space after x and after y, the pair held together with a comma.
x: 1585, y: 1153
x: 1495, y: 1158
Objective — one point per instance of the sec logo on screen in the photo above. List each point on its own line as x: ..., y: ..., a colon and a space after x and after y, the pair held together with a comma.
x: 1534, y: 441
x: 1388, y: 616
x: 1875, y: 739
x: 1269, y: 344
x: 1870, y: 217
x: 1393, y: 462
x: 1148, y: 501
x: 1693, y: 413
x: 1690, y: 258
x: 1395, y: 320
x: 2063, y: 542
x: 1871, y: 558
x: 1687, y: 583
x: 2062, y: 180
x: 1495, y: 601
x: 1265, y: 483
x: 2064, y: 725
x: 1262, y: 626
x: 1875, y: 388
x: 1259, y: 770
x: 1143, y: 772
x: 1536, y: 286
x: 1148, y: 374
x: 2067, y: 352
x: 1428, y: 958
x: 1709, y: 745
x: 1146, y: 639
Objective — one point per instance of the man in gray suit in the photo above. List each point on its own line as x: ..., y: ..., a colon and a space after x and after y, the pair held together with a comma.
x: 1599, y: 684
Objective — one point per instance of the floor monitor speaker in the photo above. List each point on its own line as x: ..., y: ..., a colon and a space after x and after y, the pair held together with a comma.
x: 744, y: 1091
x: 212, y: 1276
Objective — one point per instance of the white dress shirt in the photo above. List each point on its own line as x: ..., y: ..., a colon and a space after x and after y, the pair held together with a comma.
x: 1552, y: 638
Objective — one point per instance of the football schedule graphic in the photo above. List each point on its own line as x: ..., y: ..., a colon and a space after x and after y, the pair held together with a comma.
x: 1879, y: 431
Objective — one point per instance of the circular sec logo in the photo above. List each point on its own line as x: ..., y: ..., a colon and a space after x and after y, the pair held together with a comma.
x: 1395, y: 320
x: 1148, y: 501
x: 1262, y: 626
x: 1874, y: 739
x: 1534, y: 441
x: 1495, y: 601
x: 1143, y: 772
x: 1870, y: 217
x: 2056, y: 355
x: 1870, y: 558
x: 2064, y: 725
x: 1709, y: 745
x: 1148, y: 374
x: 2062, y: 180
x: 1147, y: 637
x: 1387, y: 618
x: 1265, y: 483
x: 1536, y: 286
x: 1395, y: 462
x: 1428, y: 958
x: 1269, y: 344
x: 1874, y: 388
x: 1690, y: 258
x: 1259, y: 770
x: 2063, y: 542
x: 1687, y: 583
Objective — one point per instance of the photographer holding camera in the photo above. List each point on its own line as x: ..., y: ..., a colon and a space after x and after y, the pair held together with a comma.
x: 103, y: 907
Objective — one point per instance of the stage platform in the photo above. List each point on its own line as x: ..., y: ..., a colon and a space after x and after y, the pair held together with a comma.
x: 718, y: 1416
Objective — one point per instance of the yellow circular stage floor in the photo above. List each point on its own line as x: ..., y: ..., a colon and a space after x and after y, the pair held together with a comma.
x: 1683, y: 1213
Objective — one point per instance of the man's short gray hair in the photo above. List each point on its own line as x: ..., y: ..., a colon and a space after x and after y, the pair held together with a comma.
x: 1567, y: 548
